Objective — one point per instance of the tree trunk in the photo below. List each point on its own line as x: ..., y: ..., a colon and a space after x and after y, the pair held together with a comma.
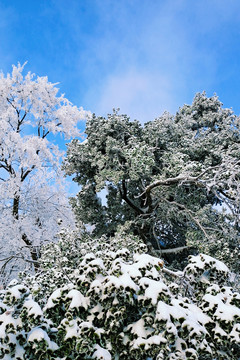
x: 32, y: 249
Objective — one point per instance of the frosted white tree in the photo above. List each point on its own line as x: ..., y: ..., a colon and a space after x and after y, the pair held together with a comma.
x: 32, y: 198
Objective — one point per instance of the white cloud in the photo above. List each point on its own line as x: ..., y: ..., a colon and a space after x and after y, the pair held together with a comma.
x: 142, y: 96
x: 155, y: 65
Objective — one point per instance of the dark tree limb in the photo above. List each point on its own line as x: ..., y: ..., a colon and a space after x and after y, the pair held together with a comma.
x: 28, y: 242
x: 124, y: 196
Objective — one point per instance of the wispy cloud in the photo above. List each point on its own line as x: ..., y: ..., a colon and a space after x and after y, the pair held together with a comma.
x: 141, y: 96
x: 144, y: 56
x: 156, y: 64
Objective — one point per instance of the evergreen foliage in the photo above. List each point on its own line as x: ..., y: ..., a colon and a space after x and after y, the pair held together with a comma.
x: 103, y: 290
x: 105, y: 300
x: 175, y: 180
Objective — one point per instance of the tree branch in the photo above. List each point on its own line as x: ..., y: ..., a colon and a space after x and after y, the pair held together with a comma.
x: 173, y: 250
x: 124, y: 196
x: 178, y: 274
x: 189, y: 212
x: 179, y: 179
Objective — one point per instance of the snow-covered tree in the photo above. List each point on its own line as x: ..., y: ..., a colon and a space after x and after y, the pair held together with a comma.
x: 32, y: 198
x: 175, y: 180
x: 95, y: 299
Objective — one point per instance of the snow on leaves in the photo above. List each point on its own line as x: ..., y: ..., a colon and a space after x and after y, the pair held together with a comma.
x: 174, y: 180
x: 118, y: 304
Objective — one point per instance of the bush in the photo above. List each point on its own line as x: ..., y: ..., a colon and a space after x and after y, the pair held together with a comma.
x: 99, y: 300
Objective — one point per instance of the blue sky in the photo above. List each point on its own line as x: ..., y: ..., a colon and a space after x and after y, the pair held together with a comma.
x: 144, y: 56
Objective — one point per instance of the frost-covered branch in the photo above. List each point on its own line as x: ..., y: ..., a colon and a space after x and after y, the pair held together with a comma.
x: 181, y: 180
x: 187, y: 211
x: 173, y: 250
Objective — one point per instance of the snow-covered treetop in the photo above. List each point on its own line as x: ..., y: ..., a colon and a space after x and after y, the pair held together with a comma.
x: 33, y: 100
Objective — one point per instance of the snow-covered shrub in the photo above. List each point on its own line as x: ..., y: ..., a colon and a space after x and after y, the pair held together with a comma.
x: 98, y: 300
